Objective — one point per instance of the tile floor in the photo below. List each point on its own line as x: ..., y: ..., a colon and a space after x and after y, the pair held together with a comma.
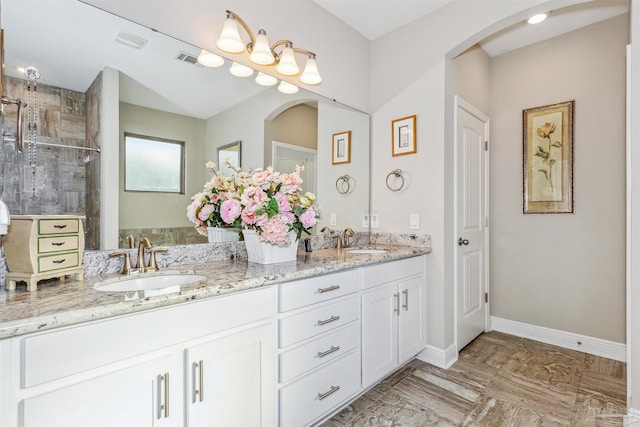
x: 499, y: 380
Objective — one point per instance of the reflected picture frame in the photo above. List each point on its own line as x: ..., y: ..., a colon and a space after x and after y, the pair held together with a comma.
x: 547, y: 159
x: 232, y: 152
x: 341, y: 148
x: 403, y: 136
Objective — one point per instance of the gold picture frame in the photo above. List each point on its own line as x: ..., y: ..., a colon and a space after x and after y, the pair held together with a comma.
x: 341, y: 148
x: 403, y: 136
x: 547, y: 159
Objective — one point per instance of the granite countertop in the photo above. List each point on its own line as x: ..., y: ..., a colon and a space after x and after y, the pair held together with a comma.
x: 63, y: 303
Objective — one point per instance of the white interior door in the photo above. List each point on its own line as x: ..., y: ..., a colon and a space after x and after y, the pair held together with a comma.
x: 471, y: 222
x: 287, y: 156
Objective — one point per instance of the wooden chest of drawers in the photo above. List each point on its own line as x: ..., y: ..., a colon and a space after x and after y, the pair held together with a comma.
x: 40, y: 247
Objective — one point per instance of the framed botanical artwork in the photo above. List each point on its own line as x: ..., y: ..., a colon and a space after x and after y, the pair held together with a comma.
x: 341, y: 151
x: 403, y: 136
x: 547, y: 159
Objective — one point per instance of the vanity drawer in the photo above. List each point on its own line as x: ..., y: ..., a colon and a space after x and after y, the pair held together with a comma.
x: 301, y: 326
x: 392, y: 271
x: 57, y: 244
x: 319, y: 351
x: 58, y: 261
x: 317, y: 289
x: 304, y: 401
x: 58, y: 226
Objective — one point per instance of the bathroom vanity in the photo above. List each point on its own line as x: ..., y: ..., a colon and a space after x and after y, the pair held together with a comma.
x: 251, y: 345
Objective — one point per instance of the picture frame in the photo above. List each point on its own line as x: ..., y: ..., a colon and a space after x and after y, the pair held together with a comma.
x: 341, y: 148
x: 403, y: 136
x: 232, y: 152
x: 547, y: 159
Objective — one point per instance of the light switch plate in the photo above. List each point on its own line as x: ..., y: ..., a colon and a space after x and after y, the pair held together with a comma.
x: 365, y: 220
x: 332, y: 219
x: 374, y: 221
x: 414, y: 221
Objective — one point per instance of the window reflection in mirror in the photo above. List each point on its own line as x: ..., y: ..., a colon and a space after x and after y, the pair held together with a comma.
x: 230, y: 157
x: 153, y: 164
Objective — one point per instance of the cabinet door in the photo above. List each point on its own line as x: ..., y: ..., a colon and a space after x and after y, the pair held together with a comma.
x: 231, y: 380
x: 146, y: 394
x: 379, y: 333
x: 412, y: 336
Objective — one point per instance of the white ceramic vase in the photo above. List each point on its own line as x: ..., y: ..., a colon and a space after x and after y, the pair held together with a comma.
x: 218, y: 234
x: 266, y: 253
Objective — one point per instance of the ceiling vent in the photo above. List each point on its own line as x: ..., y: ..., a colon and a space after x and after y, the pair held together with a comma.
x: 187, y: 57
x: 131, y: 40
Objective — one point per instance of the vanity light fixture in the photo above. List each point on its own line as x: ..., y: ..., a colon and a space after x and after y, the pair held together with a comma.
x: 209, y: 59
x: 260, y: 53
x: 536, y: 19
x: 287, y: 88
x: 240, y: 70
x: 265, y: 79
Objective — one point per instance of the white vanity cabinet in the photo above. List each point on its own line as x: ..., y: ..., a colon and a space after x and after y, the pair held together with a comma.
x: 319, y: 346
x: 137, y: 370
x: 393, y: 316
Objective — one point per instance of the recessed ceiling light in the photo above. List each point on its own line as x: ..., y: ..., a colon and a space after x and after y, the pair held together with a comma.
x: 536, y: 19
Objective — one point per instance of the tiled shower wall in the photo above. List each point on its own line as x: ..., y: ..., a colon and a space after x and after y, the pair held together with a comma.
x: 60, y: 173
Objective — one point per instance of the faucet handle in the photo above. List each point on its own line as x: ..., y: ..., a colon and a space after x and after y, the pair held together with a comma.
x: 126, y: 267
x: 153, y: 265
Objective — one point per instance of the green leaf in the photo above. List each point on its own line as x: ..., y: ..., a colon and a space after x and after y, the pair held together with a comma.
x: 552, y: 162
x: 557, y: 144
x: 273, y: 207
x: 545, y: 173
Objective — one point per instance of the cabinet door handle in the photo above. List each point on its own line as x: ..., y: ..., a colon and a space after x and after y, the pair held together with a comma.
x: 397, y: 304
x: 333, y: 349
x: 405, y: 300
x: 198, y: 387
x: 59, y: 261
x: 57, y: 243
x: 328, y: 393
x: 329, y: 320
x: 60, y: 226
x: 163, y: 396
x: 329, y: 289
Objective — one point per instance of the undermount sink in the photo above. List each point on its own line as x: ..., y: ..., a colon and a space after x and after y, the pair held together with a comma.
x: 146, y: 283
x: 369, y: 251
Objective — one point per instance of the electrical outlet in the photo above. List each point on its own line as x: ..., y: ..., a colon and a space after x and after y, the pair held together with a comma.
x: 332, y: 219
x: 414, y: 221
x: 374, y: 221
x: 365, y: 220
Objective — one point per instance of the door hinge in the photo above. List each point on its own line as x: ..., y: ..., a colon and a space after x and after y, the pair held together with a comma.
x: 486, y: 221
x: 486, y: 297
x: 486, y: 146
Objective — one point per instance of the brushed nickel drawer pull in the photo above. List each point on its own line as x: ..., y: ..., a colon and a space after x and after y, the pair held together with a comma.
x: 405, y: 303
x: 333, y: 349
x: 329, y: 320
x: 397, y: 307
x: 329, y: 289
x: 60, y: 226
x: 329, y: 393
x: 59, y: 261
x: 163, y: 396
x: 57, y: 243
x: 198, y: 387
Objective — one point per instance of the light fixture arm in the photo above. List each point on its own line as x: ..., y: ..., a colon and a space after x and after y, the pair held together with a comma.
x: 295, y: 49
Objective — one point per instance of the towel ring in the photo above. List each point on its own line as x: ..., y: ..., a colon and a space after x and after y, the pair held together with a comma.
x: 345, y: 186
x: 397, y: 174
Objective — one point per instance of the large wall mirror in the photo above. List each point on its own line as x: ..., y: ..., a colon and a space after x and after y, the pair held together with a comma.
x: 161, y: 91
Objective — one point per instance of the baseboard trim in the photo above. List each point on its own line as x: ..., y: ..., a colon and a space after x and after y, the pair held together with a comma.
x: 438, y: 357
x: 591, y: 345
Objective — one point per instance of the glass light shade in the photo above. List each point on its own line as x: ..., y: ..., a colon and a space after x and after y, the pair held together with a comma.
x: 265, y: 79
x: 536, y: 19
x: 287, y: 65
x: 287, y: 88
x: 261, y: 53
x: 209, y: 59
x: 240, y: 70
x: 229, y: 39
x: 310, y: 75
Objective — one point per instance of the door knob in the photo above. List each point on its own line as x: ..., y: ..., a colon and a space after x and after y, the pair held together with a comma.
x: 462, y: 241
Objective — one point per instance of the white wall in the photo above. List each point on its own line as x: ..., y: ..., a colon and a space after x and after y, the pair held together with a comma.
x: 563, y: 271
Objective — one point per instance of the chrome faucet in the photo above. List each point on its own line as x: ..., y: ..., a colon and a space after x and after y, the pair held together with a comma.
x: 334, y: 235
x: 346, y: 234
